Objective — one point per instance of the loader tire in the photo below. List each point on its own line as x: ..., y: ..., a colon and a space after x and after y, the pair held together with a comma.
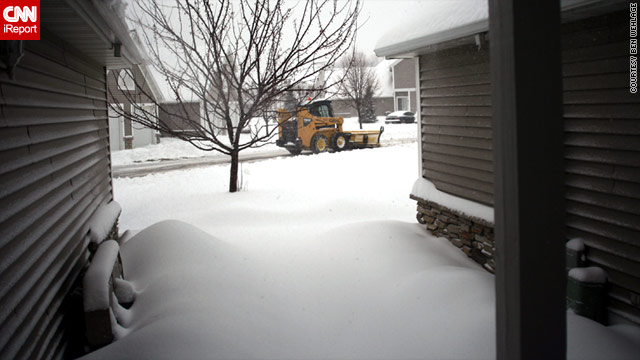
x: 319, y: 143
x: 339, y: 141
x: 294, y: 150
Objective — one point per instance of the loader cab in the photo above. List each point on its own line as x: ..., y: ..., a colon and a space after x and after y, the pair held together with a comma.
x: 321, y: 108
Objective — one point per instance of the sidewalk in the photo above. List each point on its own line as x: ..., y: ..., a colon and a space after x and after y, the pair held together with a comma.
x: 148, y: 167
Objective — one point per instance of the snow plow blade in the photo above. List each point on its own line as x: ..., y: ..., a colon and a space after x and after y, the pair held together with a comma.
x: 365, y: 138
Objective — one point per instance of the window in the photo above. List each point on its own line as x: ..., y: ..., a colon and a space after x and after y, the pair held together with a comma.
x: 402, y: 101
x: 323, y: 110
x: 125, y: 80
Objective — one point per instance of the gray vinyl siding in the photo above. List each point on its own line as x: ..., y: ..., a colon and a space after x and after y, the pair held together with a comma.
x: 117, y: 96
x: 404, y: 74
x: 602, y: 143
x: 173, y: 115
x: 602, y: 154
x: 455, y: 95
x: 54, y: 174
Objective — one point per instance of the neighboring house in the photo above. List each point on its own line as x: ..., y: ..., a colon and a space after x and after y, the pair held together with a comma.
x: 124, y: 85
x: 55, y: 170
x: 382, y: 100
x: 405, y: 97
x: 601, y: 142
x: 179, y: 117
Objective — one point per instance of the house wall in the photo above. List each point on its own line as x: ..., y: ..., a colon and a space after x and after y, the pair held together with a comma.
x: 341, y: 107
x: 602, y: 154
x: 383, y: 105
x: 456, y: 121
x: 142, y: 94
x: 54, y: 174
x: 404, y: 81
x: 173, y: 114
x: 602, y: 145
x: 404, y: 74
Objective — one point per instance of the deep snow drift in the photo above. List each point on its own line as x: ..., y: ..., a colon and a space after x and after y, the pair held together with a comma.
x: 320, y: 258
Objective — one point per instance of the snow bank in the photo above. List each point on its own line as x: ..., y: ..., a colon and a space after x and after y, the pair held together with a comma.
x: 334, y: 295
x: 589, y: 340
x: 320, y: 258
x: 96, y: 286
x: 592, y: 274
x: 380, y: 289
x: 102, y: 221
x: 426, y: 190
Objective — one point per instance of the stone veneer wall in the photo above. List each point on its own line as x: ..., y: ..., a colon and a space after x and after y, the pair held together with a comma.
x: 472, y: 235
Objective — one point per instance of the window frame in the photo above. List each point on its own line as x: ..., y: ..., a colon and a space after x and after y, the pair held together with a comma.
x: 126, y: 80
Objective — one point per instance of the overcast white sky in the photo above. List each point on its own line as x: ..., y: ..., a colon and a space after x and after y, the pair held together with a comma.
x: 381, y: 16
x: 377, y: 18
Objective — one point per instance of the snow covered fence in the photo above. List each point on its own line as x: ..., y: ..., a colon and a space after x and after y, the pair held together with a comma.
x: 103, y: 224
x: 104, y: 289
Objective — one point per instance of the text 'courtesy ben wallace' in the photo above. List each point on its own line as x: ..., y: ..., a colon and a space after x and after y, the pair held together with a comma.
x: 633, y: 47
x: 20, y: 20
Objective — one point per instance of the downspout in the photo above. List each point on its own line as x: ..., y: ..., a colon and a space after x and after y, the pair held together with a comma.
x: 418, y: 114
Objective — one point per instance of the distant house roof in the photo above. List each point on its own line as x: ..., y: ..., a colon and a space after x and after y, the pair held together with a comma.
x: 435, y: 22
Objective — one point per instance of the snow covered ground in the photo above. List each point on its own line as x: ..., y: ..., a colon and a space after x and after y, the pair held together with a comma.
x: 319, y: 257
x: 171, y: 149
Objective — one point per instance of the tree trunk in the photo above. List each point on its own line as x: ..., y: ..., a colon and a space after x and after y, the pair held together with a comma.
x: 233, y: 175
x: 360, y: 119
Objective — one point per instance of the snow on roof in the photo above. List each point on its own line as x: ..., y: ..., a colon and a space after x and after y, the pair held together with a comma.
x: 433, y: 22
x: 436, y: 21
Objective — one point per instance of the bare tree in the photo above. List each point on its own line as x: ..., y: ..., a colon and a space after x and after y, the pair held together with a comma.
x: 239, y: 59
x: 360, y: 82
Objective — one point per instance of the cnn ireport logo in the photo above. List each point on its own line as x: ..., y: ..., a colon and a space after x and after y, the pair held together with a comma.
x: 20, y: 20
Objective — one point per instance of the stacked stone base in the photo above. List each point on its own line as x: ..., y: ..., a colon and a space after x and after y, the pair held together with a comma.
x: 472, y: 235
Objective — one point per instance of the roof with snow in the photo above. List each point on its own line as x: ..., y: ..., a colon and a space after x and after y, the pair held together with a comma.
x: 435, y: 22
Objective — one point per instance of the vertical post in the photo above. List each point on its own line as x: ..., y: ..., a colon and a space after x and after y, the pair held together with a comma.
x: 528, y: 187
x: 418, y: 113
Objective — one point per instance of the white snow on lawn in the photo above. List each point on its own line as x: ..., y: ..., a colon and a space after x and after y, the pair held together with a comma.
x: 320, y: 258
x: 172, y: 149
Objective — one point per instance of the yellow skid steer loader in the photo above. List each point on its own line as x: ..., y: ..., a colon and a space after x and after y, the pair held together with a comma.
x: 312, y: 126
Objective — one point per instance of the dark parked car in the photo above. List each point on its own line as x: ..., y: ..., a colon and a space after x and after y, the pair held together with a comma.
x: 398, y: 117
